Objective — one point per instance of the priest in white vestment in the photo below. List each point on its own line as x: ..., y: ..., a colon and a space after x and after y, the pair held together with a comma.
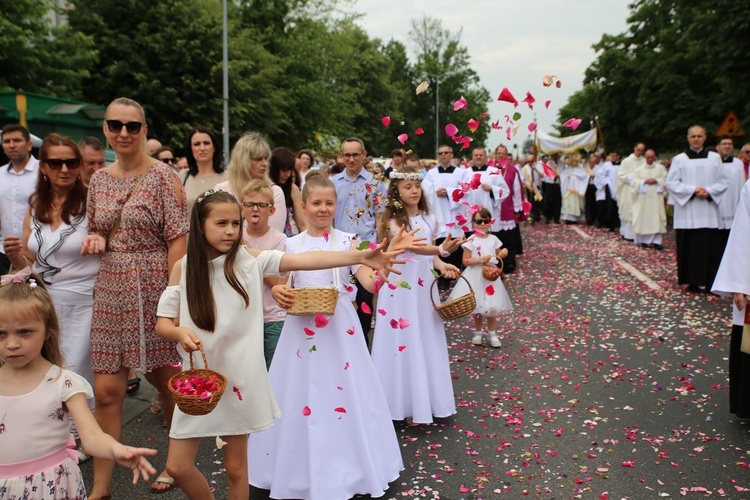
x: 696, y: 183
x: 574, y: 180
x: 736, y: 172
x: 649, y: 213
x: 733, y: 279
x: 625, y: 187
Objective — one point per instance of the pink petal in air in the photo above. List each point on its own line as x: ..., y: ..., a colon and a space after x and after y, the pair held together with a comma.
x: 419, y: 131
x: 386, y: 120
x: 309, y: 332
x: 484, y: 115
x: 340, y: 409
x: 365, y: 308
x: 403, y: 138
x: 490, y: 290
x: 401, y: 348
x: 394, y: 324
x: 451, y: 130
x: 350, y: 331
x: 473, y: 125
x: 381, y: 312
x: 532, y: 126
x: 546, y: 104
x: 320, y: 321
x: 306, y: 411
x: 573, y: 123
x: 403, y: 323
x: 460, y: 104
x: 529, y: 99
x: 506, y: 96
x: 496, y: 125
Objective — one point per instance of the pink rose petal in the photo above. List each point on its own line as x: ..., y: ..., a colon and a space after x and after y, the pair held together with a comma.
x: 320, y: 321
x: 306, y: 411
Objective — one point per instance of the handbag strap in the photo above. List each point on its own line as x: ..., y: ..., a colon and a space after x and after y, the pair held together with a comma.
x: 116, y: 226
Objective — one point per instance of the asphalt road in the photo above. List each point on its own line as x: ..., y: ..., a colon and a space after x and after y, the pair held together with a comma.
x: 611, y: 383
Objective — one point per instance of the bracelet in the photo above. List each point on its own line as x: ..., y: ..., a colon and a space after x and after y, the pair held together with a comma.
x: 443, y: 252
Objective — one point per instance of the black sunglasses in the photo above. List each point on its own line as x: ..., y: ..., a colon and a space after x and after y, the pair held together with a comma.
x: 481, y: 221
x: 167, y: 160
x: 115, y: 126
x: 57, y: 163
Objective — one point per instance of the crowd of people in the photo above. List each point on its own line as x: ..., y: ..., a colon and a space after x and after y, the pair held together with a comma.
x: 138, y: 264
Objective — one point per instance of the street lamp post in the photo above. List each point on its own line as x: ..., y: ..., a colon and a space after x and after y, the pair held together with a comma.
x: 225, y: 82
x: 437, y: 104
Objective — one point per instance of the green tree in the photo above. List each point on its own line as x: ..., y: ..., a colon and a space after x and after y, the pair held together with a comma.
x: 440, y: 55
x: 39, y: 57
x: 679, y: 63
x: 167, y: 55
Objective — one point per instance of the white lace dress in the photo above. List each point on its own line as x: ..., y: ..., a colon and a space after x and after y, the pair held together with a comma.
x: 335, y: 438
x: 409, y: 347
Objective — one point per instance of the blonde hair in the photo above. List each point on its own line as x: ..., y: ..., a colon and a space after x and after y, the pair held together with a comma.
x: 34, y: 296
x: 126, y: 101
x: 258, y: 186
x: 318, y: 181
x: 251, y: 146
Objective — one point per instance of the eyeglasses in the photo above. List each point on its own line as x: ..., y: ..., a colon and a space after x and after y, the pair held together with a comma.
x: 57, y: 163
x: 481, y: 222
x: 351, y: 155
x: 115, y: 126
x: 444, y: 152
x: 260, y: 206
x: 746, y: 151
x: 167, y: 160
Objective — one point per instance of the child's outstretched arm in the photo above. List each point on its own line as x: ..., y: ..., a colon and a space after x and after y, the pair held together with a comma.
x: 376, y: 258
x: 101, y: 445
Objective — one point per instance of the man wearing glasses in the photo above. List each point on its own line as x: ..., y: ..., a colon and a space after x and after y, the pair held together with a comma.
x: 359, y: 206
x: 17, y: 183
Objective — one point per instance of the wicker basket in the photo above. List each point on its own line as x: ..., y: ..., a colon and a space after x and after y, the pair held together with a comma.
x: 193, y: 404
x: 310, y: 301
x: 492, y: 272
x: 456, y: 308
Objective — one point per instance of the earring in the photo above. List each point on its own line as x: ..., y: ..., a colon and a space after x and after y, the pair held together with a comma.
x: 44, y: 177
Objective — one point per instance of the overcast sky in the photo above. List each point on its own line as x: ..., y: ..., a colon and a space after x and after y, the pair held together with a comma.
x: 512, y: 43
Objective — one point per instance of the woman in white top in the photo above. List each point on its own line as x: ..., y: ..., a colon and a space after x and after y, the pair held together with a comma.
x: 53, y: 231
x: 249, y: 161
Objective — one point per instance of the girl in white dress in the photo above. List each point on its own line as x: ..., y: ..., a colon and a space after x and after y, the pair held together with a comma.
x: 409, y: 348
x: 215, y: 292
x: 492, y: 298
x: 37, y: 452
x: 336, y: 438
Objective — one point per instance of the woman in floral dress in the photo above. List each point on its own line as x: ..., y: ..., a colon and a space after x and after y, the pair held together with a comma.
x: 137, y: 257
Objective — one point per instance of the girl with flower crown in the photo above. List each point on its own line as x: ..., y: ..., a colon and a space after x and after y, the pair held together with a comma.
x: 409, y: 348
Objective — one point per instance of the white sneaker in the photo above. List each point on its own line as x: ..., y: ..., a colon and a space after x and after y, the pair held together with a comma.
x: 477, y: 340
x: 495, y: 342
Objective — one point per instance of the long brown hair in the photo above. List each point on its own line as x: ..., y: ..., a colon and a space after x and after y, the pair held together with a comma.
x: 41, y: 201
x: 34, y: 296
x: 395, y: 209
x: 198, y: 277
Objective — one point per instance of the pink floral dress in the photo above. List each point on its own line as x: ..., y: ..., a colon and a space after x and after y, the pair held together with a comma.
x: 36, y: 448
x: 134, y: 269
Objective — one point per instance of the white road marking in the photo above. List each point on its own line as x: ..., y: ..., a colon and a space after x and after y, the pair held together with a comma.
x: 639, y: 275
x: 581, y: 232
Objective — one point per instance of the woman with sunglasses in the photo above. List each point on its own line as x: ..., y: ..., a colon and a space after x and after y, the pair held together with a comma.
x: 205, y: 170
x: 53, y: 231
x: 138, y: 223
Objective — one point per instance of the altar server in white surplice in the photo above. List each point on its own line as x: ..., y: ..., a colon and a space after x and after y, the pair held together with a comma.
x: 625, y: 188
x: 736, y: 172
x: 696, y: 183
x: 574, y: 180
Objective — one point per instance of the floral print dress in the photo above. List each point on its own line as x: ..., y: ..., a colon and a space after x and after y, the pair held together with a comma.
x: 134, y: 269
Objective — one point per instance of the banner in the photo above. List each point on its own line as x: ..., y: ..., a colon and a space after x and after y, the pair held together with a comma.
x: 548, y: 144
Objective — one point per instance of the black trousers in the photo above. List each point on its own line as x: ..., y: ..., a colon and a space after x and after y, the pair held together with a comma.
x: 535, y: 214
x: 511, y: 240
x: 591, y: 205
x: 552, y: 201
x: 365, y: 319
x: 4, y: 263
x: 739, y: 375
x: 699, y: 253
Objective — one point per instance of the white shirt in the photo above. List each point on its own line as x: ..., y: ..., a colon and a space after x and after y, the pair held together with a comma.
x: 446, y: 208
x: 731, y: 198
x: 492, y: 199
x: 15, y: 190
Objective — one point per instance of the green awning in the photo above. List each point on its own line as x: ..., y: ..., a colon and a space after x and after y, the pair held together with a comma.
x: 91, y: 111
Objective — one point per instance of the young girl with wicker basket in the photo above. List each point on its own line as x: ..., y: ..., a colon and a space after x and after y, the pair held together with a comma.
x: 482, y: 252
x: 336, y: 439
x: 409, y: 347
x: 214, y: 296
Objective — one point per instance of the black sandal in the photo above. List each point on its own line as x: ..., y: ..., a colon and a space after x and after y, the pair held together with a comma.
x: 134, y: 384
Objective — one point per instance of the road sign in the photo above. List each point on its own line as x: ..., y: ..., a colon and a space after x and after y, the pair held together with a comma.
x: 730, y: 126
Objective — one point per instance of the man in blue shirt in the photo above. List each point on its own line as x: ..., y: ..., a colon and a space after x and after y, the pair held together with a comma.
x: 360, y: 204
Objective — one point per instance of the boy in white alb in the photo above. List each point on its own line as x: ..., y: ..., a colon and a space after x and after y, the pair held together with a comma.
x: 257, y: 207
